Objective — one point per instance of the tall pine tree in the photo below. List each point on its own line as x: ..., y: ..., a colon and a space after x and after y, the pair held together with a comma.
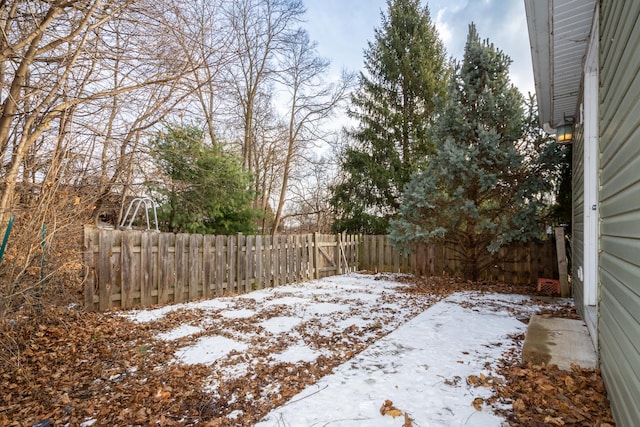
x: 399, y: 94
x: 486, y: 186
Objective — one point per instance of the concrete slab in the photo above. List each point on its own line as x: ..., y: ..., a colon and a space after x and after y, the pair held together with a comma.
x: 558, y: 341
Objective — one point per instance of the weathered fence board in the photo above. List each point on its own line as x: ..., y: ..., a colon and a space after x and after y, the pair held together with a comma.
x: 520, y: 263
x: 142, y: 268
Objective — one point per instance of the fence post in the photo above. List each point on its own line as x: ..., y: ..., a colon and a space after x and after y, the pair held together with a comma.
x: 432, y: 255
x: 259, y: 270
x: 220, y: 265
x: 379, y: 265
x: 105, y: 279
x: 316, y: 269
x: 337, y: 258
x: 128, y: 270
x: 562, y: 262
x: 240, y: 279
x: 146, y: 264
x: 180, y: 263
x: 231, y: 264
x: 90, y: 236
x: 275, y: 253
x: 166, y: 267
x: 207, y: 250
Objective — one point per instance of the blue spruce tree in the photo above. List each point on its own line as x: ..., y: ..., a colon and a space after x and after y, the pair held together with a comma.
x: 485, y: 187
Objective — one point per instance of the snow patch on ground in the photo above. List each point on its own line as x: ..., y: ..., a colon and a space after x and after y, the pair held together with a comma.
x: 208, y: 349
x: 288, y: 301
x: 297, y: 353
x: 238, y: 314
x: 145, y: 316
x: 211, y: 304
x: 279, y: 325
x: 179, y: 332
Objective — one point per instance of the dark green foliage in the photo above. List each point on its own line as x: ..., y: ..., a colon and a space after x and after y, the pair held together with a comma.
x: 550, y: 166
x: 490, y: 182
x: 398, y: 97
x: 204, y: 191
x: 562, y: 210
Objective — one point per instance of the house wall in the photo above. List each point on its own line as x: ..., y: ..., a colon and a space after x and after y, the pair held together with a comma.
x: 577, y: 223
x: 619, y: 204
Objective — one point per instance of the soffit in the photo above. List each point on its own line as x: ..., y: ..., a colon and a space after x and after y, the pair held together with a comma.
x: 559, y: 32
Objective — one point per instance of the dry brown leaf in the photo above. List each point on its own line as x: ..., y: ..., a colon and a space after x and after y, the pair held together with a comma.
x: 477, y: 403
x: 519, y: 406
x: 161, y: 394
x: 394, y: 413
x: 556, y: 421
x: 387, y: 408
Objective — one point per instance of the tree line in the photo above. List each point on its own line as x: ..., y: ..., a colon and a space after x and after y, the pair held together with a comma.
x: 89, y: 87
x: 216, y: 108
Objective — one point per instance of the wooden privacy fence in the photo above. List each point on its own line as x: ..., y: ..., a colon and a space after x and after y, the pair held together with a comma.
x: 143, y: 268
x: 519, y: 263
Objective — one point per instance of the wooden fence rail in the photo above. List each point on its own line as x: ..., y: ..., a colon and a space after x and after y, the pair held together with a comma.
x: 143, y: 268
x: 518, y: 263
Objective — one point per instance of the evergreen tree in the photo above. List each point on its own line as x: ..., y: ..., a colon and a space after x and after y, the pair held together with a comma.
x: 204, y: 190
x: 488, y: 185
x: 397, y: 100
x: 550, y: 163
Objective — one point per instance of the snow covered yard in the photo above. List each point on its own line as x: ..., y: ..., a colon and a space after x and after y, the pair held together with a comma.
x: 429, y: 368
x: 263, y: 345
x: 355, y: 350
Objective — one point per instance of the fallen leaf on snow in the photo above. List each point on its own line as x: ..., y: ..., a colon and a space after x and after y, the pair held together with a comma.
x: 394, y: 413
x: 387, y: 408
x: 407, y: 421
x: 477, y: 403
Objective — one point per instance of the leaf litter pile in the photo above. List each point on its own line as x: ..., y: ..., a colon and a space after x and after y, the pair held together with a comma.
x: 230, y: 361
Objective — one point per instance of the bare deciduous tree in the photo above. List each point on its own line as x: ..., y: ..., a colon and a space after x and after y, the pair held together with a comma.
x: 203, y: 33
x: 310, y: 101
x: 64, y: 55
x: 261, y: 29
x: 309, y: 198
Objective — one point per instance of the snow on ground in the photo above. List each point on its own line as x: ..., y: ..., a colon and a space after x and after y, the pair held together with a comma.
x: 322, y: 307
x: 422, y: 365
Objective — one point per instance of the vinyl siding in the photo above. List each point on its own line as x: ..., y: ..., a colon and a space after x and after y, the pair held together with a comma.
x: 619, y: 205
x: 577, y: 223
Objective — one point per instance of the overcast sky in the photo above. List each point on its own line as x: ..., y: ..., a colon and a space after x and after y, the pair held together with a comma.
x: 342, y: 29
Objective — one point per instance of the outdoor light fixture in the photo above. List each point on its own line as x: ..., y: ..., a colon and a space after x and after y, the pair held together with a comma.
x: 564, y: 132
